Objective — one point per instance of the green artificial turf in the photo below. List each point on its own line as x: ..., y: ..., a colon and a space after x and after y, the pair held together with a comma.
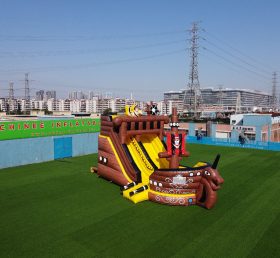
x: 60, y: 209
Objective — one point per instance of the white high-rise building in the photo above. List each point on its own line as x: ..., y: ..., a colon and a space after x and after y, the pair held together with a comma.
x: 116, y: 104
x: 53, y: 105
x: 23, y: 105
x: 165, y: 107
x: 65, y: 104
x: 92, y: 105
x: 75, y: 106
x: 38, y: 104
x: 3, y: 105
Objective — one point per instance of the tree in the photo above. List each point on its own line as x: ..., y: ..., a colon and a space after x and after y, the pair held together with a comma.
x: 107, y: 112
x: 47, y: 112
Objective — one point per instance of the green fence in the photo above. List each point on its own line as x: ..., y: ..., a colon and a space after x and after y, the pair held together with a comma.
x: 42, y: 128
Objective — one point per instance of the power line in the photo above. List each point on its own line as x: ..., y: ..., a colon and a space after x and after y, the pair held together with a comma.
x: 235, y: 64
x: 86, y: 38
x: 85, y: 51
x: 225, y: 64
x: 237, y: 50
x: 92, y: 65
x: 236, y: 57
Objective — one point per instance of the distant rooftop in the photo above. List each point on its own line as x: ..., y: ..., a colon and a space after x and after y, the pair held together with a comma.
x: 223, y: 89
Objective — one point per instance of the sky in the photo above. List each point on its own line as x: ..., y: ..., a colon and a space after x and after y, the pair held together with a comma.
x: 119, y: 47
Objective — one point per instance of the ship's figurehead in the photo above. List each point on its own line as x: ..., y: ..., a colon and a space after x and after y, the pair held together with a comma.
x: 211, y: 181
x: 213, y: 177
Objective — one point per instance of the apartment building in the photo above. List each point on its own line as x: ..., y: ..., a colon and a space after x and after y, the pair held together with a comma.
x: 93, y: 105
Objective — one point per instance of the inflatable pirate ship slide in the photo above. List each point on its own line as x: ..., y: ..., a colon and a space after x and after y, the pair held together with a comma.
x: 132, y: 154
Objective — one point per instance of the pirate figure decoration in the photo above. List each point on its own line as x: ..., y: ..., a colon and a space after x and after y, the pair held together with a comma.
x: 175, y: 143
